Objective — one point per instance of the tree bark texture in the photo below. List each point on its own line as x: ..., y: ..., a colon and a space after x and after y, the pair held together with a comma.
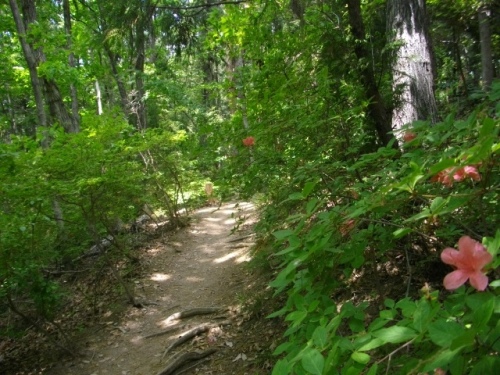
x: 33, y: 59
x: 376, y: 108
x: 413, y: 66
x: 75, y: 118
x: 140, y: 51
x: 119, y: 81
x: 32, y: 63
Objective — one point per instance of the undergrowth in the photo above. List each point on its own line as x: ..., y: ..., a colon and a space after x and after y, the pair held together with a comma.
x: 358, y: 253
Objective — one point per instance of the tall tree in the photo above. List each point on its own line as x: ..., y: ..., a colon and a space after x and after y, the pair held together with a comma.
x: 413, y: 66
x: 31, y: 60
x: 75, y: 118
x: 484, y: 14
x: 376, y: 107
x: 34, y: 57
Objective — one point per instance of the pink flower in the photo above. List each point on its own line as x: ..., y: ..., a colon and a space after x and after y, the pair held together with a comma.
x: 409, y: 136
x: 467, y: 171
x: 447, y: 176
x: 469, y: 262
x: 444, y: 177
x: 249, y: 141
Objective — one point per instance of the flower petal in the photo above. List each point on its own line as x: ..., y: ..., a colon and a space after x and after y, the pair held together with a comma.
x: 472, y: 172
x: 481, y: 259
x: 473, y: 254
x: 459, y: 174
x: 466, y: 245
x: 450, y: 256
x: 455, y: 279
x: 478, y: 280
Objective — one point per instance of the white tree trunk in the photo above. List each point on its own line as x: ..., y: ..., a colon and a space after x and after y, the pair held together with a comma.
x: 98, y: 97
x: 413, y: 70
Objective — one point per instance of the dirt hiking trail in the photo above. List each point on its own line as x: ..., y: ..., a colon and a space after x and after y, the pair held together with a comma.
x: 199, y: 271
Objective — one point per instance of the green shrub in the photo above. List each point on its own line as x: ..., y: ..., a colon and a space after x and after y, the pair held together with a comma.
x: 396, y: 209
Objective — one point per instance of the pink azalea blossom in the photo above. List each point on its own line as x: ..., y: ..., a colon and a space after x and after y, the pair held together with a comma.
x: 467, y: 171
x: 249, y: 141
x: 469, y: 261
x: 447, y: 176
x: 444, y: 177
x: 409, y: 136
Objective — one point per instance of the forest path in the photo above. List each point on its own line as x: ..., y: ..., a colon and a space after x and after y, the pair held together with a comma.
x: 200, y: 266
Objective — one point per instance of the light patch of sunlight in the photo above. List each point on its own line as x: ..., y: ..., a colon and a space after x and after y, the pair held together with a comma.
x: 169, y: 322
x: 154, y: 250
x: 136, y: 340
x: 160, y: 277
x: 205, y: 210
x: 194, y: 279
x: 132, y: 325
x: 240, y: 256
x: 243, y: 258
x: 212, y: 219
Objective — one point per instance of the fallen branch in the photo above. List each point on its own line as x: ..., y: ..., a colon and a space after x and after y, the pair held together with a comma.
x: 194, y: 332
x: 241, y: 238
x: 241, y: 245
x: 165, y: 331
x: 180, y: 359
x: 186, y: 369
x: 188, y: 335
x: 193, y: 312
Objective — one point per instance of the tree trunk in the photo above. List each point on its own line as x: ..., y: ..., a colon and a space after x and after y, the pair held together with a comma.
x: 57, y: 109
x: 33, y: 58
x: 139, y: 103
x: 71, y: 61
x: 458, y: 62
x: 119, y: 82
x: 238, y: 68
x: 376, y: 108
x: 32, y: 63
x: 413, y: 66
x: 485, y: 38
x: 98, y: 97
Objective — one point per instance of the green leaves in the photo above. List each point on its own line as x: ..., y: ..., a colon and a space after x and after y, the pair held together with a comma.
x: 443, y: 332
x: 360, y: 357
x: 313, y: 362
x: 395, y: 334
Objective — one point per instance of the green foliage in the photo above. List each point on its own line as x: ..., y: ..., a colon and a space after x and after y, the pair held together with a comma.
x: 57, y: 202
x: 389, y: 206
x: 340, y: 208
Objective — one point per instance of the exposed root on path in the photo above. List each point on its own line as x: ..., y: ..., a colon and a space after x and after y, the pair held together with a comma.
x: 180, y: 359
x: 193, y: 312
x: 192, y: 333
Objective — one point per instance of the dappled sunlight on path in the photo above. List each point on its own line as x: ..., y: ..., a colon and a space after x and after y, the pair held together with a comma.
x: 196, y: 267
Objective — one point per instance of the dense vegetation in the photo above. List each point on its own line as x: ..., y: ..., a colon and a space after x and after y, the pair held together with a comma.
x: 286, y: 101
